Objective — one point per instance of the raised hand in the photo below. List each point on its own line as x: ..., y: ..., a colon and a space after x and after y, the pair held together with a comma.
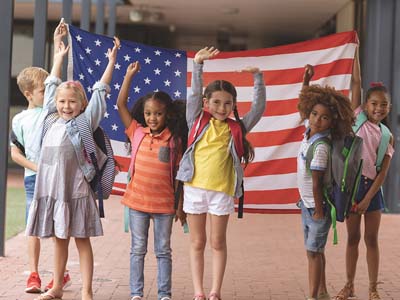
x: 205, y: 53
x: 133, y: 69
x: 308, y: 74
x: 112, y: 53
x: 60, y: 32
x: 252, y: 70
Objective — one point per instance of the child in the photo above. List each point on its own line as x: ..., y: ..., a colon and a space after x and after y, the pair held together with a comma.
x: 25, y: 126
x: 369, y: 197
x: 64, y: 204
x: 216, y: 146
x: 328, y: 114
x: 157, y: 135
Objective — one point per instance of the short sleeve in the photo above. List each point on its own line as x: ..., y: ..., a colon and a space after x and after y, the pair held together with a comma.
x: 320, y: 157
x: 131, y: 129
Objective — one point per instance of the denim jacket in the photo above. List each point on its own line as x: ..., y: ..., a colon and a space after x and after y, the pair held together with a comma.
x: 94, y: 113
x: 193, y: 110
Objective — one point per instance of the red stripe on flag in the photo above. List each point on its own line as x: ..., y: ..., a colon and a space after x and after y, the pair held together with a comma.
x: 275, y: 138
x: 272, y: 167
x: 285, y: 196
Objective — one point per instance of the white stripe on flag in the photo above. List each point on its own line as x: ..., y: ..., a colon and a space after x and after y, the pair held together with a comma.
x: 279, y: 61
x: 288, y: 150
x: 271, y: 182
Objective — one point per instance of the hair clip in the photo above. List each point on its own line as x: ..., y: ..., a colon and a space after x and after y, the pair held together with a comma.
x: 376, y: 84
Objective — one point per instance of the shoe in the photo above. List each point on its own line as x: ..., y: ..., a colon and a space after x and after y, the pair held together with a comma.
x: 136, y: 298
x: 48, y: 296
x: 347, y: 292
x: 166, y: 298
x: 373, y: 295
x: 199, y: 297
x: 324, y: 296
x: 214, y: 295
x: 33, y: 284
x: 66, y: 282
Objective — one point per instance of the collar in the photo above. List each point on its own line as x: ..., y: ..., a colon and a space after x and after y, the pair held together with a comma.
x: 164, y: 135
x: 317, y: 135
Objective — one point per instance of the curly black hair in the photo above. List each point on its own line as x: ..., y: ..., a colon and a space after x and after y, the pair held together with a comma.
x: 338, y: 104
x: 176, y: 120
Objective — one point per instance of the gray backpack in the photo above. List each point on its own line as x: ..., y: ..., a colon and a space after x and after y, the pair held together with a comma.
x: 342, y: 176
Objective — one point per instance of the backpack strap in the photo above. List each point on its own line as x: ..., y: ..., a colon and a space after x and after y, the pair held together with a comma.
x: 360, y: 120
x: 383, y: 145
x: 14, y: 140
x: 90, y: 147
x: 49, y: 120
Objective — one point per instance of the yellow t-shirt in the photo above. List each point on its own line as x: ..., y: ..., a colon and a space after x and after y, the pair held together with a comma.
x: 213, y: 162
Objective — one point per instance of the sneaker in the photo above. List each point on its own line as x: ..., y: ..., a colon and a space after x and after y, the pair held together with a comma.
x: 66, y: 282
x: 33, y: 284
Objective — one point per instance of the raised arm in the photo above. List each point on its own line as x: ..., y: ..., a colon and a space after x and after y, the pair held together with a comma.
x: 112, y: 58
x: 60, y: 50
x: 308, y: 74
x: 122, y: 101
x: 356, y: 82
x: 258, y: 105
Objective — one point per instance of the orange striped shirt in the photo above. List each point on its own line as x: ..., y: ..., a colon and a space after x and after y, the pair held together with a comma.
x: 150, y: 188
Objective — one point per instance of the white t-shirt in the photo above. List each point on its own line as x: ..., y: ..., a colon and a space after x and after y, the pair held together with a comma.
x: 26, y: 126
x: 319, y: 163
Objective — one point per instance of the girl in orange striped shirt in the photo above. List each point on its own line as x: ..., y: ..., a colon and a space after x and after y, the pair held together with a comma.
x: 157, y: 132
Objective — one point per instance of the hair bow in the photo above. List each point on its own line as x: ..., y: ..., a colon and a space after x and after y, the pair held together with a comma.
x: 376, y: 84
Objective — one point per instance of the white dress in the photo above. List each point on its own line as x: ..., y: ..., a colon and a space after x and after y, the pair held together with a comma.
x: 64, y: 204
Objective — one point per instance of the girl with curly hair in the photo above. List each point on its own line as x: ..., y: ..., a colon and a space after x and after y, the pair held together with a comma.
x: 327, y: 113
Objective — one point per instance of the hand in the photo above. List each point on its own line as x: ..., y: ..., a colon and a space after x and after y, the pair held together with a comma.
x: 133, y: 69
x: 308, y: 73
x: 112, y: 53
x: 318, y: 215
x: 181, y: 215
x: 362, y: 206
x: 60, y: 31
x: 60, y: 52
x: 205, y: 53
x: 252, y: 70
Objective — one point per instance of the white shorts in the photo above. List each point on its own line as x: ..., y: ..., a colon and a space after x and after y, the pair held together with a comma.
x: 200, y: 201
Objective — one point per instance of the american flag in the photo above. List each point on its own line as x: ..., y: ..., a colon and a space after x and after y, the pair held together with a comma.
x: 270, y: 180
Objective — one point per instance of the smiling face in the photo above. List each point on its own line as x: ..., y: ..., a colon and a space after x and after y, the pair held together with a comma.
x: 219, y: 105
x: 377, y: 106
x: 68, y: 104
x: 155, y: 115
x: 320, y: 119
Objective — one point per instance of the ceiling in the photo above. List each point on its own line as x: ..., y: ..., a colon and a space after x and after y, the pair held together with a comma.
x: 269, y: 19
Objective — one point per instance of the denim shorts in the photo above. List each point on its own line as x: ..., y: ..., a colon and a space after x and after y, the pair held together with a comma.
x: 29, y: 183
x: 315, y: 231
x: 376, y: 202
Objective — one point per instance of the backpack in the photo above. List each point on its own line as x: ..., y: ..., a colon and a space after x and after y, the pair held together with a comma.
x: 342, y: 176
x: 385, y: 138
x: 237, y: 135
x: 103, y: 181
x: 14, y: 140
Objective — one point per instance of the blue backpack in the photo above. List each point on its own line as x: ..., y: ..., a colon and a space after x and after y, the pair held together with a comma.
x: 342, y: 176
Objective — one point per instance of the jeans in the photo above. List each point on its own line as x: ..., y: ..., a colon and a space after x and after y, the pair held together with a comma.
x: 139, y: 223
x: 29, y: 183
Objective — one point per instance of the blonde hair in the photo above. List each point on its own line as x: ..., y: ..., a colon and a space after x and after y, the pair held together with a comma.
x: 78, y: 90
x: 30, y: 78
